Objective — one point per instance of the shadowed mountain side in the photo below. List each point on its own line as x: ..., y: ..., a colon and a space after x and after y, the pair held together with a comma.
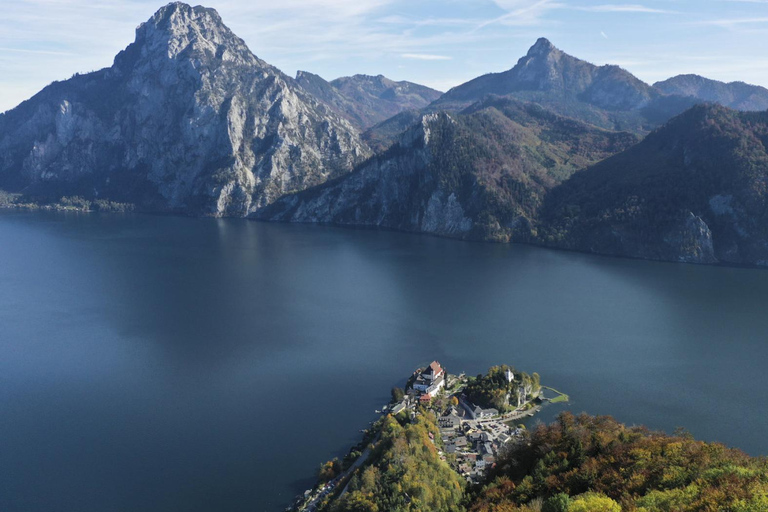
x: 695, y: 191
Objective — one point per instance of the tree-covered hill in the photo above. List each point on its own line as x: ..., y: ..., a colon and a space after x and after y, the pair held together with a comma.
x: 404, y: 473
x: 695, y: 190
x: 576, y: 464
x: 595, y: 464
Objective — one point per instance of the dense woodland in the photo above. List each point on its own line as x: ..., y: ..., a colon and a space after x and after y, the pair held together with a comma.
x: 710, y: 163
x: 576, y: 464
x: 600, y: 461
x: 404, y: 473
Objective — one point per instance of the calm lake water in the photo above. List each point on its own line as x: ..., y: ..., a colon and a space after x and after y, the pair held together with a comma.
x: 160, y: 363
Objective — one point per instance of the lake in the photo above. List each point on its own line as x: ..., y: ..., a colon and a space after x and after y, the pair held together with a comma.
x: 162, y: 363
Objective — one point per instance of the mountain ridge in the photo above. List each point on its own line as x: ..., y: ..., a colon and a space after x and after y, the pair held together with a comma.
x: 736, y: 95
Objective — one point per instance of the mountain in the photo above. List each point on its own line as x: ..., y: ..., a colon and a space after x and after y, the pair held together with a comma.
x: 736, y: 95
x: 606, y: 96
x: 367, y: 100
x: 381, y: 136
x: 479, y: 174
x: 187, y: 119
x: 696, y: 190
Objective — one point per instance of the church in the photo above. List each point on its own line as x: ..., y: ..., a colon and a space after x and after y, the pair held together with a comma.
x: 430, y: 380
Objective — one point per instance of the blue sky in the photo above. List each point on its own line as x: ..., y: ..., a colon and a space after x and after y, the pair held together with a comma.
x: 437, y: 43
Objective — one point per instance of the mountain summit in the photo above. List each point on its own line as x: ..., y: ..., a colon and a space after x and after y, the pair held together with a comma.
x: 546, y: 69
x: 187, y: 119
x: 607, y: 96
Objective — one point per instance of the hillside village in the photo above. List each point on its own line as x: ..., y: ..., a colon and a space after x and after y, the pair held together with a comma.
x: 473, y: 419
x: 471, y: 434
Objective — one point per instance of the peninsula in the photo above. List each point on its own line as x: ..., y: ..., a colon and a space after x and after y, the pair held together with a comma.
x: 468, y: 421
x: 448, y: 443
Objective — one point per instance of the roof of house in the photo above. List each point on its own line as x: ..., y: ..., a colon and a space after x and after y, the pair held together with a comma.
x: 434, y: 368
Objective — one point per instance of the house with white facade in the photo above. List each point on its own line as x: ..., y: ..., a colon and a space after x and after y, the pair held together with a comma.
x: 430, y: 380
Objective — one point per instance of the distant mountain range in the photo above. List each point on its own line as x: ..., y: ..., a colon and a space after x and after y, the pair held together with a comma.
x: 367, y: 100
x: 606, y: 96
x: 554, y: 151
x: 736, y: 95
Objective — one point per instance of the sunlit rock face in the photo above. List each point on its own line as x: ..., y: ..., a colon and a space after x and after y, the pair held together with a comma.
x: 187, y: 119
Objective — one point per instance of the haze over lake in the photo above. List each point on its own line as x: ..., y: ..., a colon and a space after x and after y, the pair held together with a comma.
x: 161, y: 363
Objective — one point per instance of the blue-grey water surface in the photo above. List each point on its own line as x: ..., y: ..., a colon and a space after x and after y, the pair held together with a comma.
x: 172, y: 364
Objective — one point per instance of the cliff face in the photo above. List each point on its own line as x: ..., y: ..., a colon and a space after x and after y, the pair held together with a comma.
x: 693, y: 191
x: 187, y: 119
x: 480, y: 174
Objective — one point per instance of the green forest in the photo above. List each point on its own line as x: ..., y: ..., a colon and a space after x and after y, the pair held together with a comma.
x: 577, y: 464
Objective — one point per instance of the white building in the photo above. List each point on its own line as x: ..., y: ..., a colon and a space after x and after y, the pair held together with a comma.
x: 430, y: 380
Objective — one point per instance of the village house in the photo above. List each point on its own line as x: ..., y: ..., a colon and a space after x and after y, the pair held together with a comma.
x: 449, y: 422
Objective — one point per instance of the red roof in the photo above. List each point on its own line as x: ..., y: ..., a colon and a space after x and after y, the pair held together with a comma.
x: 425, y: 398
x: 434, y: 367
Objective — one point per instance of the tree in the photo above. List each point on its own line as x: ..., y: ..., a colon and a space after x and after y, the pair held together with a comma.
x: 592, y: 502
x: 557, y: 503
x: 397, y: 394
x: 329, y: 470
x: 454, y: 401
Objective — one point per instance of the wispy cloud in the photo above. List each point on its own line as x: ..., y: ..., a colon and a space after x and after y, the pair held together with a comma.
x: 425, y: 56
x: 730, y: 23
x: 521, y: 13
x: 633, y: 8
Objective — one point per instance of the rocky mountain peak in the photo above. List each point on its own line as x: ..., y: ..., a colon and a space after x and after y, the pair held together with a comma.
x: 198, y: 32
x: 187, y: 119
x: 542, y: 47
